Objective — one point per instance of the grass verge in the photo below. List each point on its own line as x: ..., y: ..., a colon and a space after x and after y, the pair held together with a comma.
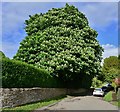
x: 117, y: 103
x: 33, y: 106
x: 108, y: 98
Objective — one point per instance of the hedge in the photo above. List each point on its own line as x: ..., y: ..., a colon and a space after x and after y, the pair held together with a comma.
x: 19, y: 74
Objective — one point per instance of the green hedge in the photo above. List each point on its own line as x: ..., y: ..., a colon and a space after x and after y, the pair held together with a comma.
x: 20, y: 74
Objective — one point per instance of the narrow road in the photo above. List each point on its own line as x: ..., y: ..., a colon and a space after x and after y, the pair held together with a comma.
x: 81, y: 103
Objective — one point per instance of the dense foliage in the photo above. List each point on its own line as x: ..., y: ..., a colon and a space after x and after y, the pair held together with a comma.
x: 111, y: 68
x: 20, y: 74
x: 2, y: 55
x: 62, y: 42
x: 96, y: 83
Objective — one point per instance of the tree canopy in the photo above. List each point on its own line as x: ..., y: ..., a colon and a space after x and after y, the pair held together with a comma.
x: 111, y: 68
x: 62, y: 42
x: 2, y: 55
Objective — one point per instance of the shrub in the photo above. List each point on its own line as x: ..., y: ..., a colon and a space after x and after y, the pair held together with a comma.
x: 20, y: 74
x: 96, y: 82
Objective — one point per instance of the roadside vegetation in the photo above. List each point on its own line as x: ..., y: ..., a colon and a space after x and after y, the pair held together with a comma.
x: 117, y: 103
x: 16, y: 74
x: 109, y: 97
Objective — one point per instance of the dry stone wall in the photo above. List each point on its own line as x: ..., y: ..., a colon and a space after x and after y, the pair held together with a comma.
x: 12, y: 97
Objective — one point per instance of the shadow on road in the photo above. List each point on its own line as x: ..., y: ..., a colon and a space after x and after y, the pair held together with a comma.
x: 87, y: 93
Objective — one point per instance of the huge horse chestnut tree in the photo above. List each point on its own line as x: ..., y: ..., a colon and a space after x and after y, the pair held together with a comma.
x: 62, y: 42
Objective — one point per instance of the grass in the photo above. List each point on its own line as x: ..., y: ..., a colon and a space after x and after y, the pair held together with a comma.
x: 33, y: 106
x: 116, y: 103
x: 108, y: 98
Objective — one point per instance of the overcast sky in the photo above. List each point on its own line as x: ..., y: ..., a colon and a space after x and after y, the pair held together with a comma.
x: 102, y: 16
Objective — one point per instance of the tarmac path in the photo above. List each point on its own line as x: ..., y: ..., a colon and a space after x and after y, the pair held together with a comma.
x: 81, y: 103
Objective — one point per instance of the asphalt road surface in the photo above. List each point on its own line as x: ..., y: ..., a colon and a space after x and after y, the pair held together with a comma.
x: 81, y: 103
